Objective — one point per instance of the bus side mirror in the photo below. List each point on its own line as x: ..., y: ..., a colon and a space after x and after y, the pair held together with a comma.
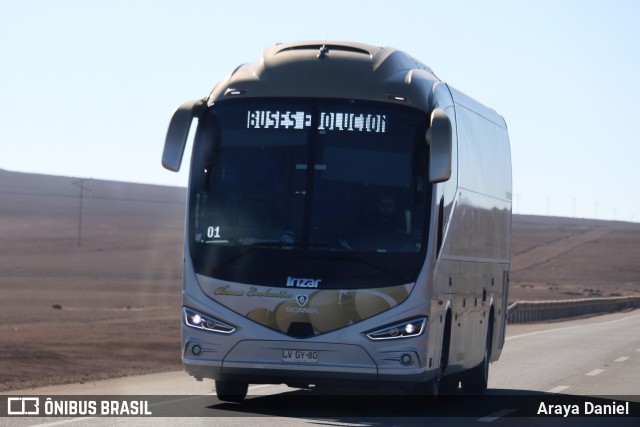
x: 178, y: 132
x: 439, y: 139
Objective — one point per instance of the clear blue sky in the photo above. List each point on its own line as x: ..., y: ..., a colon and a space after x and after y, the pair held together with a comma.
x: 87, y: 87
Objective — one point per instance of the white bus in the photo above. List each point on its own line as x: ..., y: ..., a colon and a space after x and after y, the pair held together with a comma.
x: 348, y: 223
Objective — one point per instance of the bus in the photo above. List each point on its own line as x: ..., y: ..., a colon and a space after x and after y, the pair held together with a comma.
x: 348, y: 223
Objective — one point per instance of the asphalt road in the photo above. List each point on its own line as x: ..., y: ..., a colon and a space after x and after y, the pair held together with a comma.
x: 590, y: 363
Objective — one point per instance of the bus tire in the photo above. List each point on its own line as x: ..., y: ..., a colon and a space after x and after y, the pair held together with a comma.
x: 475, y: 380
x: 434, y: 387
x: 231, y: 391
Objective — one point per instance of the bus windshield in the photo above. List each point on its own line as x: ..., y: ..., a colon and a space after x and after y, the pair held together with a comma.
x: 336, y: 182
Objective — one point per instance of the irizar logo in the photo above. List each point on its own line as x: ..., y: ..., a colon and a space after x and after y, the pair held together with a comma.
x: 297, y: 282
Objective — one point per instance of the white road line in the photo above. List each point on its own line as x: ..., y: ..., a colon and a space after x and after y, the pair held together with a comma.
x: 570, y: 327
x: 558, y: 389
x: 595, y: 372
x: 621, y: 359
x: 496, y: 415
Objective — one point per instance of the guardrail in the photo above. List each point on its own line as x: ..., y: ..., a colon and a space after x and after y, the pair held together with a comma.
x: 540, y: 311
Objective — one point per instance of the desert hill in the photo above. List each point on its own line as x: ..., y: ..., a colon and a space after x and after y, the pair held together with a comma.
x: 554, y: 258
x: 106, y: 302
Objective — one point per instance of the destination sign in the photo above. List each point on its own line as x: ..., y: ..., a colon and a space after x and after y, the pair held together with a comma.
x: 337, y: 121
x: 352, y: 122
x: 267, y: 119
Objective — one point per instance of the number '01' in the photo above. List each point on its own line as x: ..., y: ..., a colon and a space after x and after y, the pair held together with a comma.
x: 213, y: 232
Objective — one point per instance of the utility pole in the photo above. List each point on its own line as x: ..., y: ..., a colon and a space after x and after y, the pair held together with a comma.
x: 81, y: 185
x: 548, y: 205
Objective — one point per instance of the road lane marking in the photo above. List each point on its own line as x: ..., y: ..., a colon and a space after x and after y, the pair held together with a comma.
x: 566, y: 328
x: 495, y: 415
x: 621, y: 359
x: 558, y: 389
x: 595, y: 372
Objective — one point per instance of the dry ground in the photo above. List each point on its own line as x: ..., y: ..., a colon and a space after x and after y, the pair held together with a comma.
x: 111, y: 306
x: 565, y: 258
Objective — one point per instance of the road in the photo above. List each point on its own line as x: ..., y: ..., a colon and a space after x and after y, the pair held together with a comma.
x: 550, y: 363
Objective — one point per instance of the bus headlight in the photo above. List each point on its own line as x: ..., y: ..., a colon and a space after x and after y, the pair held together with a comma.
x: 207, y: 323
x: 406, y: 329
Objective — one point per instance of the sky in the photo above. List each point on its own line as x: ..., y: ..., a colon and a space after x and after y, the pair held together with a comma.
x: 87, y: 87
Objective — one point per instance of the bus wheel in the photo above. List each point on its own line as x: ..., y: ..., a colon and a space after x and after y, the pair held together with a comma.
x: 475, y: 380
x: 231, y: 391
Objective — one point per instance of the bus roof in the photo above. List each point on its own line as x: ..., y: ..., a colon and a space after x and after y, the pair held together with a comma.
x: 331, y: 70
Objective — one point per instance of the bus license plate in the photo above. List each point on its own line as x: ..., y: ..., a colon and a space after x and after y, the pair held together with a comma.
x: 300, y: 356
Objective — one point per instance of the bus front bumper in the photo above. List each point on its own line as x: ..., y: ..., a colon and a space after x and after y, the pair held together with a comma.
x: 276, y: 362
